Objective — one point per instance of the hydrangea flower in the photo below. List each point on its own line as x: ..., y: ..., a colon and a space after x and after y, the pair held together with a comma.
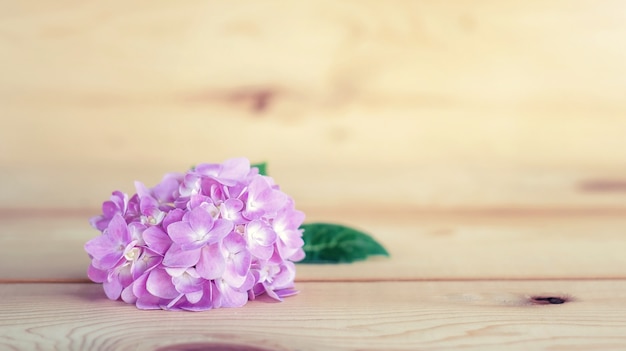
x: 217, y: 236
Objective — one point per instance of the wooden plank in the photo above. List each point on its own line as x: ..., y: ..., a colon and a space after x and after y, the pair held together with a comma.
x: 79, y: 183
x: 444, y: 52
x: 433, y: 104
x: 329, y: 316
x: 422, y: 246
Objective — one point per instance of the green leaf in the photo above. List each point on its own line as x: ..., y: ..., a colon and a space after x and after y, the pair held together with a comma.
x: 262, y: 167
x: 334, y: 243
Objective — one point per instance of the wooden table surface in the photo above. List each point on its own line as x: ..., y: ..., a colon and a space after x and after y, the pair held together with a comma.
x: 483, y: 143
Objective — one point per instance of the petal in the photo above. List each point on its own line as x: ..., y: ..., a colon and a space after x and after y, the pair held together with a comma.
x: 200, y: 220
x: 262, y: 198
x: 181, y: 233
x: 148, y: 302
x: 127, y: 295
x: 123, y: 275
x: 175, y: 215
x: 286, y: 292
x: 194, y: 297
x: 231, y: 297
x: 297, y: 256
x: 197, y: 200
x: 176, y: 257
x: 291, y: 250
x: 142, y: 190
x: 147, y: 204
x: 136, y: 229
x: 133, y: 207
x: 96, y: 275
x: 159, y: 284
x: 231, y: 209
x: 101, y: 246
x: 237, y: 269
x: 156, y: 239
x: 212, y: 263
x: 139, y: 286
x: 208, y: 169
x: 234, y: 243
x: 118, y: 229
x: 109, y: 260
x: 221, y: 228
x: 292, y: 239
x: 147, y: 261
x: 99, y: 222
x: 167, y: 189
x: 186, y: 284
x: 175, y: 272
x: 235, y: 168
x: 270, y: 292
x: 260, y: 233
x: 109, y: 209
x: 288, y: 219
x: 261, y: 252
x: 120, y: 200
x: 284, y: 278
x: 210, y: 299
x: 251, y: 279
x: 112, y: 289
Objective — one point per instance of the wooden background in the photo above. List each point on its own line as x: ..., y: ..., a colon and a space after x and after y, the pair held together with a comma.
x: 483, y: 143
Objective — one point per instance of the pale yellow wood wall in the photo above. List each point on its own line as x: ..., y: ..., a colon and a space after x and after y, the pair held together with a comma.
x: 417, y: 104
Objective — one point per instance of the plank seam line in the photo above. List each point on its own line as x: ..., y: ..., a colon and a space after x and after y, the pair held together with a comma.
x: 347, y: 280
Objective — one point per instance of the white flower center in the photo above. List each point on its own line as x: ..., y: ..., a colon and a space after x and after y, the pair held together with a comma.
x: 132, y: 254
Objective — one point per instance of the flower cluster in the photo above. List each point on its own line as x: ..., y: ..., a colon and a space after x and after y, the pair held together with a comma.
x: 216, y: 236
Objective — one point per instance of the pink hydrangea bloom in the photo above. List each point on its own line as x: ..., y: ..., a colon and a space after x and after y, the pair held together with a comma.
x: 218, y: 236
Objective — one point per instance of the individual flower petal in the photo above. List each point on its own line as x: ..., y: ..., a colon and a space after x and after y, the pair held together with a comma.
x: 177, y: 257
x: 263, y: 198
x: 145, y: 262
x: 194, y: 297
x: 117, y: 279
x: 260, y: 233
x: 144, y: 300
x: 190, y: 184
x: 200, y: 221
x: 231, y: 297
x: 118, y: 204
x: 187, y: 281
x: 238, y: 260
x: 211, y: 298
x: 231, y: 210
x: 198, y: 230
x: 112, y: 289
x: 211, y: 264
x: 167, y: 190
x: 221, y: 228
x: 96, y: 275
x: 159, y: 284
x: 260, y: 239
x: 107, y: 249
x: 151, y: 214
x: 127, y: 294
x: 175, y: 215
x: 157, y: 240
x: 235, y: 168
x: 136, y: 229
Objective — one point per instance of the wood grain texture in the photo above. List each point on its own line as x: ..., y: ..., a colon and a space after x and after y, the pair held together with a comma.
x: 328, y: 316
x: 422, y: 246
x: 481, y: 142
x: 429, y: 104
